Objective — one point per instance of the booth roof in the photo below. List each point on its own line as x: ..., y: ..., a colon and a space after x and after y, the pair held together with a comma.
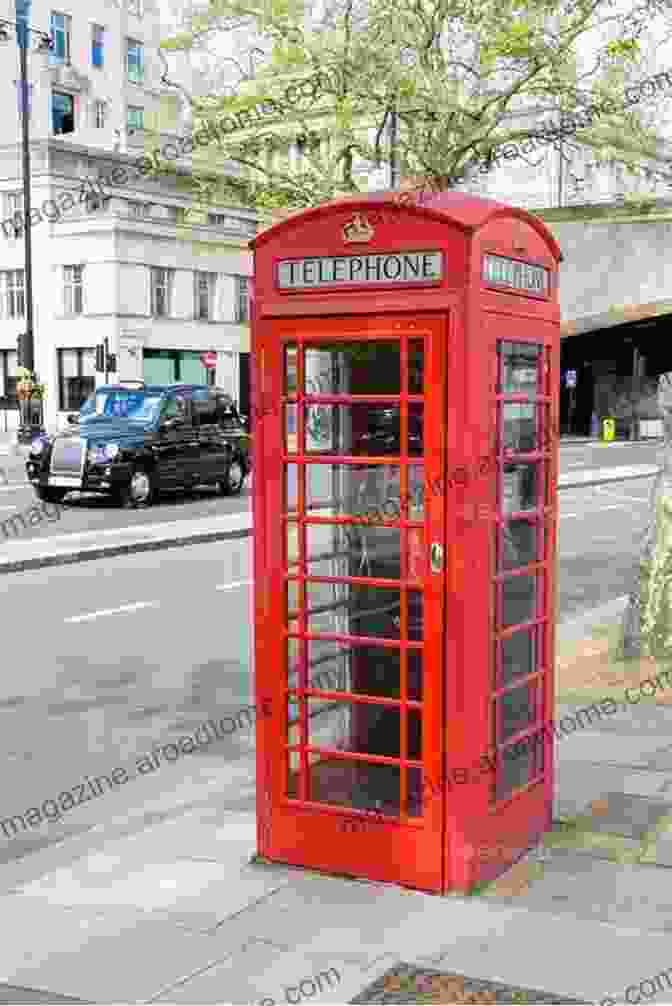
x: 461, y: 208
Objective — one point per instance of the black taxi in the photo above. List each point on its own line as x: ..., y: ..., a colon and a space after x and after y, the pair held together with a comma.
x: 133, y: 440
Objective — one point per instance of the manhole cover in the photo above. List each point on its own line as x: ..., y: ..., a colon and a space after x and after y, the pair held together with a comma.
x: 408, y: 984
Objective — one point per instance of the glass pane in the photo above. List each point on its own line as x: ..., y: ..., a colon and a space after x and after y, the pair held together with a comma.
x: 415, y: 615
x: 519, y: 487
x: 519, y: 597
x: 293, y: 657
x: 353, y: 368
x: 291, y: 427
x: 361, y: 429
x: 292, y: 545
x: 362, y: 670
x: 291, y: 370
x: 416, y: 366
x: 354, y: 550
x: 414, y: 685
x: 353, y: 610
x: 355, y: 727
x: 521, y: 544
x: 292, y: 597
x: 519, y: 427
x: 291, y: 487
x: 354, y: 784
x: 416, y: 418
x: 416, y: 492
x: 516, y: 710
x: 414, y: 734
x: 353, y: 491
x: 518, y: 655
x: 414, y: 789
x: 516, y: 767
x: 519, y: 368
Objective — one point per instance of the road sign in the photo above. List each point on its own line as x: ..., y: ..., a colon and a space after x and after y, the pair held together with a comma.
x: 209, y: 359
x: 570, y: 378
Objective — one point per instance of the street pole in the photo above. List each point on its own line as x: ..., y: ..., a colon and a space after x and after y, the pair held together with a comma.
x: 27, y: 236
x: 394, y: 152
x: 23, y: 34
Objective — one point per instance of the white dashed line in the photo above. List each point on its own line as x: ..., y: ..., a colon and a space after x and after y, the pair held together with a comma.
x: 112, y: 611
x: 233, y: 586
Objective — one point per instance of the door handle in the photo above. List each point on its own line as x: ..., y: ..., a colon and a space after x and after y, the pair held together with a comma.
x: 436, y: 557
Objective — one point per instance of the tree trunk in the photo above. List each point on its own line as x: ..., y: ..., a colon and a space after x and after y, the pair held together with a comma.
x: 647, y: 621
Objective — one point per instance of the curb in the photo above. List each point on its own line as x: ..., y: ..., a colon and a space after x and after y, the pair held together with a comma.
x: 610, y: 478
x: 101, y: 551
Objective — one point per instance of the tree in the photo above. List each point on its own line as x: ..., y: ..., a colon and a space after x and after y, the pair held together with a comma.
x: 456, y: 75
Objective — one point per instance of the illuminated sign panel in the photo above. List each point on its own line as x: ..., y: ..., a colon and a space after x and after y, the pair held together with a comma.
x: 368, y: 270
x: 517, y: 275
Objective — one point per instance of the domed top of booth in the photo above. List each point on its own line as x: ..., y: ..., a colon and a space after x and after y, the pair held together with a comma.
x: 461, y: 209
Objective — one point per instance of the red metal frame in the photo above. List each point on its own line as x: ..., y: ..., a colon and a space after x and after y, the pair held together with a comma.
x: 464, y: 324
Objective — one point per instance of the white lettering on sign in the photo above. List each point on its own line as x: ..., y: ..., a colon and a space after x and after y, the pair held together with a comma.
x: 367, y: 270
x: 519, y: 275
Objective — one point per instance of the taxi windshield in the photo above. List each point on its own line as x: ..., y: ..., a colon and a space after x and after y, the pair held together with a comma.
x: 121, y: 404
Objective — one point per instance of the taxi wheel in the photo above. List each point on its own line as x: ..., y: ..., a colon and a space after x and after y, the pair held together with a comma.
x: 140, y: 491
x: 234, y: 477
x: 50, y: 495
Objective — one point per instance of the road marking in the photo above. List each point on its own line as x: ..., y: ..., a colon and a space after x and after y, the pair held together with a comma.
x: 112, y: 611
x: 232, y: 586
x: 7, y: 508
x: 598, y: 510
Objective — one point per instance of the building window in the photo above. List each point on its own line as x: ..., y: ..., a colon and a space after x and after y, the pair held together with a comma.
x: 204, y: 289
x: 12, y: 293
x: 61, y: 26
x: 12, y: 226
x: 99, y: 114
x: 162, y: 285
x: 73, y: 301
x: 242, y: 305
x: 62, y: 113
x: 8, y: 364
x: 76, y: 377
x: 135, y: 117
x: 135, y: 61
x: 97, y: 45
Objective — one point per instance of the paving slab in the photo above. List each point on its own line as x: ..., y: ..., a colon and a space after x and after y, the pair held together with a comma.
x: 604, y: 747
x: 631, y: 816
x: 659, y: 851
x: 577, y: 784
x: 197, y: 893
x: 263, y: 973
x: 587, y: 888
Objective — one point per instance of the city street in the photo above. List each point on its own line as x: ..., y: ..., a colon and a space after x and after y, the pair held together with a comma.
x: 86, y: 513
x: 113, y: 656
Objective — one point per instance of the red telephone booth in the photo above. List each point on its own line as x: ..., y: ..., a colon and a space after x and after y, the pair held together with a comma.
x: 406, y: 381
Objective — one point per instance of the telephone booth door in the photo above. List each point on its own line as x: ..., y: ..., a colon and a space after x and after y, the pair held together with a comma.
x: 355, y: 591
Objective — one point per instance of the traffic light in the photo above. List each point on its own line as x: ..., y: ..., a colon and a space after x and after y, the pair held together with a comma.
x: 22, y: 349
x: 100, y: 358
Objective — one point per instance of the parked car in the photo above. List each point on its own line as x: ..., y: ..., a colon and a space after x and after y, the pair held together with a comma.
x: 133, y: 440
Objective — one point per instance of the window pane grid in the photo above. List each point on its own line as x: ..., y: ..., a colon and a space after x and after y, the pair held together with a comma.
x: 520, y: 544
x: 296, y: 419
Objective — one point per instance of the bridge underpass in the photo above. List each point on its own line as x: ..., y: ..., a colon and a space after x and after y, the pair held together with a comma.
x: 616, y: 310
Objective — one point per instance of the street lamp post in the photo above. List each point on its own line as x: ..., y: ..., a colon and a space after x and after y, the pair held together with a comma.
x: 27, y: 342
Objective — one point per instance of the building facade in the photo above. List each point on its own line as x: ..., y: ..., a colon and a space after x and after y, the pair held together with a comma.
x: 117, y: 254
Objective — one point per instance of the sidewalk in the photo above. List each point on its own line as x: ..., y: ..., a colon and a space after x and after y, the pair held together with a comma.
x: 57, y: 550
x: 173, y: 910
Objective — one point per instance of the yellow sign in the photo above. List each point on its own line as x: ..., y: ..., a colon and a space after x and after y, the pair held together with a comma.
x: 608, y: 429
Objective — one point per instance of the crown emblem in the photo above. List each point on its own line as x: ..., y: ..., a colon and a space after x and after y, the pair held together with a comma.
x: 357, y: 230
